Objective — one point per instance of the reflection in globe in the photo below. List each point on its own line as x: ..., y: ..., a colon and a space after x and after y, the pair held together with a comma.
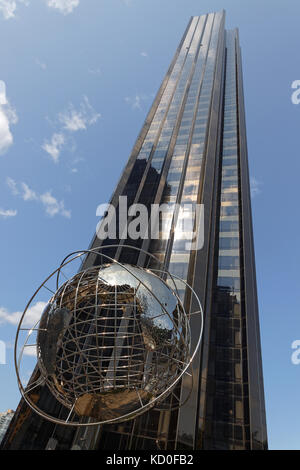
x: 111, y: 340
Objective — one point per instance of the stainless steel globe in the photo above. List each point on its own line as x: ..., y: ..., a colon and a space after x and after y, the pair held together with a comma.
x: 111, y: 340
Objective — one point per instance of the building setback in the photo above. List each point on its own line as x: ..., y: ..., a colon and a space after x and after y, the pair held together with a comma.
x: 192, y: 149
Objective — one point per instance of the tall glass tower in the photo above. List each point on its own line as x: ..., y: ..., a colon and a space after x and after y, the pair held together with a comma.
x: 192, y: 149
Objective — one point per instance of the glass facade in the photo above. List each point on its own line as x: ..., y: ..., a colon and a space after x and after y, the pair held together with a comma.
x: 191, y: 150
x: 226, y: 407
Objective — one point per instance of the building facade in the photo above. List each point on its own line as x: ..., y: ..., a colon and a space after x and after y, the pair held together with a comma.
x: 192, y: 149
x: 5, y: 419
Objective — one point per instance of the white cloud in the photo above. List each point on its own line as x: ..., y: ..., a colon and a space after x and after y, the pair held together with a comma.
x: 71, y: 120
x: 3, y: 99
x: 33, y: 314
x: 144, y: 54
x: 96, y: 71
x: 28, y: 194
x: 64, y: 6
x: 53, y: 148
x: 11, y: 114
x: 8, y: 7
x: 8, y: 116
x: 6, y: 138
x: 255, y: 187
x: 136, y: 101
x: 7, y: 213
x: 41, y: 64
x: 12, y: 186
x: 51, y: 205
x: 30, y: 351
x: 75, y: 120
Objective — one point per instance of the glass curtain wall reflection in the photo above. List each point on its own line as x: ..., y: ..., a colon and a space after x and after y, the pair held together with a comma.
x: 226, y: 408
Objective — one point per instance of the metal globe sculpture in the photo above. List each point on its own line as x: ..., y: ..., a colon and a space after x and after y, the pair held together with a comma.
x: 111, y: 343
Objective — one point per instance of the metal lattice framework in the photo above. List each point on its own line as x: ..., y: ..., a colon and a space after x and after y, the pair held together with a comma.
x: 112, y: 342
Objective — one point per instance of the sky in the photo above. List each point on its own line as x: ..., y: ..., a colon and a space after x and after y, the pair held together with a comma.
x: 77, y: 79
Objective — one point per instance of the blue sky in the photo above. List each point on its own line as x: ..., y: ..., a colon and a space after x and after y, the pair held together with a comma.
x: 80, y: 77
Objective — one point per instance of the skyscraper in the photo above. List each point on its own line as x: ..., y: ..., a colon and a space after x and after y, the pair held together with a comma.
x: 5, y: 419
x: 192, y: 149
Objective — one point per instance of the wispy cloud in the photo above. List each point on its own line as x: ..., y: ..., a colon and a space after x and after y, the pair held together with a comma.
x: 52, y: 206
x: 96, y: 71
x: 53, y: 148
x: 144, y: 54
x: 12, y: 186
x: 41, y: 64
x: 8, y: 116
x: 136, y: 101
x: 7, y: 213
x: 8, y: 7
x: 71, y: 120
x: 79, y: 119
x: 63, y: 6
x: 33, y: 314
x: 28, y: 194
x: 255, y: 187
